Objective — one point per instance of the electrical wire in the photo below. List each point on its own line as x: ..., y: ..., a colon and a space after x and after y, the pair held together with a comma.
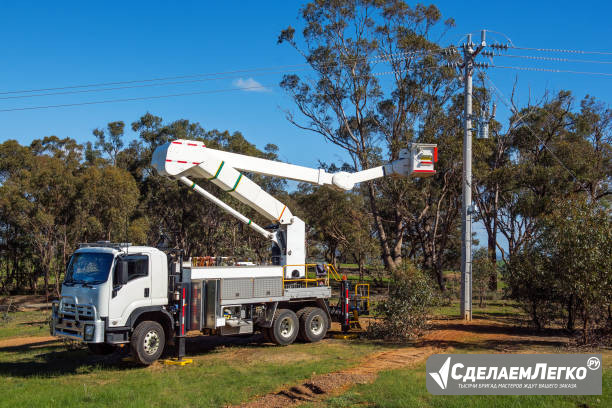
x: 380, y: 57
x: 562, y: 50
x: 135, y: 99
x: 131, y: 86
x: 398, y: 56
x: 552, y: 59
x: 506, y: 102
x: 176, y: 94
x: 562, y: 71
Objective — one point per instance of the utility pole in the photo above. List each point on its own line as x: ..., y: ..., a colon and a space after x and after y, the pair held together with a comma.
x: 469, y: 54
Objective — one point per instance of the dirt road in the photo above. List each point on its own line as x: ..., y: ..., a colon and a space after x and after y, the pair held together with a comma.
x: 444, y: 337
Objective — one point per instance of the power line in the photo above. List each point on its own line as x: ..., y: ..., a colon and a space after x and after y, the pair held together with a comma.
x: 127, y: 87
x: 562, y: 71
x: 400, y: 56
x: 135, y: 99
x: 562, y: 50
x: 380, y: 57
x: 175, y: 94
x: 374, y: 74
x: 505, y: 101
x: 149, y: 80
x: 553, y: 59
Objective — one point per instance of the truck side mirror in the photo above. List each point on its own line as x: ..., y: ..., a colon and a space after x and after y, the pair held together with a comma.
x: 121, y: 273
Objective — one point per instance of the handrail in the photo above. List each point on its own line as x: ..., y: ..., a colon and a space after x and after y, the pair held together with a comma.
x: 367, y: 297
x: 329, y: 269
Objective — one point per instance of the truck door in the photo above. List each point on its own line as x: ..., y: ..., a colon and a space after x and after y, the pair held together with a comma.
x: 135, y: 293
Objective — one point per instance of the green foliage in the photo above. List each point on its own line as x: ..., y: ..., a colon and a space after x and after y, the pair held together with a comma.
x: 338, y: 224
x: 347, y: 105
x: 567, y: 269
x: 530, y: 281
x: 403, y: 314
x: 482, y: 270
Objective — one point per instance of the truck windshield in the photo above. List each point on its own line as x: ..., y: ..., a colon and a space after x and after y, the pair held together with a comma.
x: 88, y: 267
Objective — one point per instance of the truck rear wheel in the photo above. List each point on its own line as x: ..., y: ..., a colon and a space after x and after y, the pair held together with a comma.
x: 285, y: 327
x: 313, y: 324
x: 147, y: 342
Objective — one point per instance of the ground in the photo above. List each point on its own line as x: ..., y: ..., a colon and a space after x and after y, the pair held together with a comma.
x: 38, y: 370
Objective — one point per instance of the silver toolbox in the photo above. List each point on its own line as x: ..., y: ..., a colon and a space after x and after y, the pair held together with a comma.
x: 268, y: 287
x: 236, y: 288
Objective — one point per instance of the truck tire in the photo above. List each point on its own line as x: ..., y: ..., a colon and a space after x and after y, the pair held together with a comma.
x: 313, y: 324
x: 285, y: 327
x: 147, y: 342
x: 100, y: 348
x: 299, y: 314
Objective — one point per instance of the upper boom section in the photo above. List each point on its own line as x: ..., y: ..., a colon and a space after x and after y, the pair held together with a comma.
x: 182, y: 157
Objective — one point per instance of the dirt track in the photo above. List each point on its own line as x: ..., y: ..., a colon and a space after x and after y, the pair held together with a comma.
x: 24, y: 341
x: 444, y: 336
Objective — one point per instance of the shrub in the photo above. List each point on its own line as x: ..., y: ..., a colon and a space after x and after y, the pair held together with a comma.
x: 403, y: 315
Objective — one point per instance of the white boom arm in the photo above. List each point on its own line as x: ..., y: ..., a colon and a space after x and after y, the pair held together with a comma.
x: 186, y: 159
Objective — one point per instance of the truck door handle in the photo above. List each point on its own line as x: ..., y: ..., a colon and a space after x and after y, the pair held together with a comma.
x: 146, y: 292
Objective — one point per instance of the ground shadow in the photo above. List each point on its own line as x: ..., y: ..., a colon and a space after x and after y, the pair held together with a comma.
x: 57, y: 359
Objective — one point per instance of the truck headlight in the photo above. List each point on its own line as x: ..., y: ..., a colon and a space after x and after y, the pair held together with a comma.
x: 89, y: 332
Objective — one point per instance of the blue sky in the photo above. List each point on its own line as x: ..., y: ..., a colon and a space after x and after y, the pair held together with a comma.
x: 54, y: 44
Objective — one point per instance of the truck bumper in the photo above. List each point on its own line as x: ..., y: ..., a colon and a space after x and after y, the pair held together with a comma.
x: 88, y: 329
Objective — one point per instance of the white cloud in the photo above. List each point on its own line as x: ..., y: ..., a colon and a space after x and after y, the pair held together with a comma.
x: 249, y: 85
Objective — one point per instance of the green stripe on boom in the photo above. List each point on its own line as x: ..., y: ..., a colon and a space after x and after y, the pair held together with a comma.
x: 249, y: 223
x: 193, y: 185
x: 218, y: 171
x: 237, y: 181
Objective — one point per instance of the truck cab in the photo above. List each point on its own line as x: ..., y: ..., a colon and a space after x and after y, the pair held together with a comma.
x: 106, y: 289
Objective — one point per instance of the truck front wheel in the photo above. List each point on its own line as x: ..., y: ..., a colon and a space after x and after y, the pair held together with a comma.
x: 147, y: 342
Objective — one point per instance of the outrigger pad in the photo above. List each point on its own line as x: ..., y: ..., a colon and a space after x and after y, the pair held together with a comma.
x: 176, y: 361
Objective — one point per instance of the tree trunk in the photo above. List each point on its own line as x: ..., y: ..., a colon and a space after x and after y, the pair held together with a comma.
x: 388, y: 260
x: 571, y: 315
x: 361, y: 268
x: 585, y: 328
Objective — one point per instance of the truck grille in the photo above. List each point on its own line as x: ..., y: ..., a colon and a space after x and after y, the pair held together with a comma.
x: 85, y: 312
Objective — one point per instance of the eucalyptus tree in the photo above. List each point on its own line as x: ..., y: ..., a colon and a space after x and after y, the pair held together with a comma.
x: 349, y: 45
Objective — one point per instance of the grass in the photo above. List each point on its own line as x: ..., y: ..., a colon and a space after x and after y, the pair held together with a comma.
x: 406, y: 388
x: 492, y: 309
x: 23, y: 324
x: 48, y: 374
